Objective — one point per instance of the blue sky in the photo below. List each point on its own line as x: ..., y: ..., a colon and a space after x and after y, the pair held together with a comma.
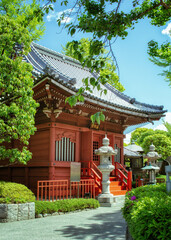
x: 139, y: 76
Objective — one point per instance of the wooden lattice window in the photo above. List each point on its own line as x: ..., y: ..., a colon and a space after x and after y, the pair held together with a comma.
x: 118, y: 156
x: 65, y: 150
x: 95, y: 146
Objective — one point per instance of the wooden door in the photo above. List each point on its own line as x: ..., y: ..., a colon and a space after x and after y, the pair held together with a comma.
x: 97, y: 142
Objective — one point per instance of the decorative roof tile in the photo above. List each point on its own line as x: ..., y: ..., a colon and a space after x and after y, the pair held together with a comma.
x: 68, y: 69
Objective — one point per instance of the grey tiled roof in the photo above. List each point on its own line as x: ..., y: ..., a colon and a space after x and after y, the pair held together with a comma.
x: 68, y: 68
x: 135, y: 148
x: 130, y: 153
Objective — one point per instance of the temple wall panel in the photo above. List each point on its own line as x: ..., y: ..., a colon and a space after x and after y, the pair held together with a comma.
x: 39, y: 146
x: 86, y: 146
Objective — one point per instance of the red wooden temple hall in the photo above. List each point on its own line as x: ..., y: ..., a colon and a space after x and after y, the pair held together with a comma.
x: 66, y: 134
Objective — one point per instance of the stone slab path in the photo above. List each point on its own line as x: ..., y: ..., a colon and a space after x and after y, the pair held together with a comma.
x: 97, y: 224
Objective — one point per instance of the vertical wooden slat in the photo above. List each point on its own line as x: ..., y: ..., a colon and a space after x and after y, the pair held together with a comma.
x: 57, y: 151
x: 72, y: 152
x: 41, y: 191
x: 38, y: 190
x: 45, y: 191
x: 62, y: 149
x: 68, y: 149
x: 59, y: 155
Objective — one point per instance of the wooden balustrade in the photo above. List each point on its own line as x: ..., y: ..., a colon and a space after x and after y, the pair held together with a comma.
x: 51, y: 190
x: 141, y: 181
x: 124, y: 176
x: 90, y: 169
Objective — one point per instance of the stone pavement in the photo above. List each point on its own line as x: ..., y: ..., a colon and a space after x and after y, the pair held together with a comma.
x: 97, y: 224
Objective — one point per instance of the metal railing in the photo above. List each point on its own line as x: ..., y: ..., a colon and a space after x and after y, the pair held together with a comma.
x: 51, y: 190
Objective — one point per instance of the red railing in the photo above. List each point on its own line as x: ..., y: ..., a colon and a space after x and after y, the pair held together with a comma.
x: 141, y: 181
x: 51, y: 190
x: 123, y: 175
x: 83, y: 189
x: 89, y: 169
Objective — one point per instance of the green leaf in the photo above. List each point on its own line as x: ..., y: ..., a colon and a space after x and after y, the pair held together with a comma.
x: 93, y: 118
x: 73, y: 30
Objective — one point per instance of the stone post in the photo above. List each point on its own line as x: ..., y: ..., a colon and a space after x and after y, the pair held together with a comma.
x: 168, y: 181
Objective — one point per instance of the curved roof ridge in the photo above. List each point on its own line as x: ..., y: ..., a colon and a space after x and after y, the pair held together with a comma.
x: 47, y: 64
x: 57, y: 54
x: 128, y: 98
x: 149, y: 105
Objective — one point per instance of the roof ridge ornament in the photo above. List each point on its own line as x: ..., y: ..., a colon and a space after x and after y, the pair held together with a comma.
x: 50, y: 72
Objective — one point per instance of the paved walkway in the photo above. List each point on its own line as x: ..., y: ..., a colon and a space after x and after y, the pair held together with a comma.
x: 102, y: 223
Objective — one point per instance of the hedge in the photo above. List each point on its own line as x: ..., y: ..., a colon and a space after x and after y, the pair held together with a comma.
x: 68, y: 205
x: 11, y: 192
x: 147, y: 211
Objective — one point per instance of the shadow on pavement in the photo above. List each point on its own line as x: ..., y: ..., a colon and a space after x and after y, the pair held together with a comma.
x: 107, y: 226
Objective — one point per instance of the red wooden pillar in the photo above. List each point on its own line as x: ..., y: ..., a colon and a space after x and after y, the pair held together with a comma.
x: 122, y: 153
x: 129, y: 179
x: 52, y: 152
x: 78, y: 145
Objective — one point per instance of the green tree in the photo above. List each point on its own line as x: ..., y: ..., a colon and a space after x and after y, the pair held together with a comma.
x: 161, y: 139
x: 168, y: 127
x: 107, y: 70
x: 161, y: 56
x: 106, y: 20
x: 135, y: 135
x: 19, y: 27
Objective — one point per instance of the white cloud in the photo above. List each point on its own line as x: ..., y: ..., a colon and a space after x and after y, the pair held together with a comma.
x: 167, y: 30
x: 166, y: 119
x: 127, y: 138
x: 53, y: 15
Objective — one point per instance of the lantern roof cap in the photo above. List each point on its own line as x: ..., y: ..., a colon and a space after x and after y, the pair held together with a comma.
x: 150, y: 167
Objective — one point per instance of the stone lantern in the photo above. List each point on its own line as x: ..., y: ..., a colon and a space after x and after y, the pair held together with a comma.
x: 152, y: 175
x: 152, y: 156
x: 105, y: 152
x: 168, y: 174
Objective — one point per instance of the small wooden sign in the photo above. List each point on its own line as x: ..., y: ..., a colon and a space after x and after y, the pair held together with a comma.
x: 75, y: 172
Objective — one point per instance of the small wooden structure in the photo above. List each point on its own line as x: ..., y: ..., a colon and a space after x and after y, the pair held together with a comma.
x: 133, y: 158
x: 65, y: 134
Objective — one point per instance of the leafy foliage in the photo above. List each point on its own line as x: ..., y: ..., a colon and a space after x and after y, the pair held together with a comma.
x: 161, y: 140
x: 161, y: 56
x: 94, y: 17
x: 149, y: 214
x: 15, y: 193
x: 68, y: 205
x: 82, y: 51
x: 19, y: 27
x: 106, y: 20
x: 168, y: 127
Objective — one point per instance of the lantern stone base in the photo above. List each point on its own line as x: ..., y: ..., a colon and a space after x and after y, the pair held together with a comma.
x: 106, y: 200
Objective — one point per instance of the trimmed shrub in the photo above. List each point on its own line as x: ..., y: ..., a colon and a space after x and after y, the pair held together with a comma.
x: 68, y: 205
x: 147, y: 211
x: 11, y: 192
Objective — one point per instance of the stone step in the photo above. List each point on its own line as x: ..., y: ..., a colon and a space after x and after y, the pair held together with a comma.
x: 115, y: 183
x: 118, y: 192
x: 113, y: 188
